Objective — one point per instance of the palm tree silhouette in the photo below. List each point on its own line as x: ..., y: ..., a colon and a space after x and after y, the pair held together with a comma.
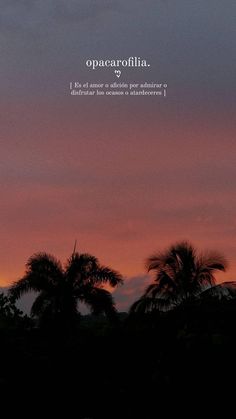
x: 61, y: 288
x: 181, y: 275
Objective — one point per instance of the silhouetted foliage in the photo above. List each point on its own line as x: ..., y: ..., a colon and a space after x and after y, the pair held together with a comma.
x: 60, y: 289
x: 10, y: 315
x: 182, y: 350
x: 180, y: 275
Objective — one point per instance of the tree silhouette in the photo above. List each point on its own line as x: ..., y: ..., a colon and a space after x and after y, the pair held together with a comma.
x: 181, y: 275
x: 61, y: 288
x: 10, y: 315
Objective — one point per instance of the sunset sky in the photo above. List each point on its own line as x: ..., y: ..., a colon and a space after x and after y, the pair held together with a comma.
x: 123, y: 176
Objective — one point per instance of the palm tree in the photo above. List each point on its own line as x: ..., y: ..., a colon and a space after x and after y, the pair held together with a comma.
x: 181, y: 275
x: 61, y: 288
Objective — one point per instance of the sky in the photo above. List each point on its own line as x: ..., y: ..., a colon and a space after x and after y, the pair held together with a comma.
x: 125, y: 176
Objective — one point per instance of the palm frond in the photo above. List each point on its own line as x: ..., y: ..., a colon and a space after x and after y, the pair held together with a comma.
x: 99, y: 301
x: 180, y: 274
x: 79, y: 266
x: 22, y: 286
x: 43, y: 272
x: 212, y: 261
x: 225, y: 290
x: 150, y: 288
x: 155, y: 261
x: 44, y: 261
x: 150, y: 304
x: 106, y: 275
x: 41, y: 304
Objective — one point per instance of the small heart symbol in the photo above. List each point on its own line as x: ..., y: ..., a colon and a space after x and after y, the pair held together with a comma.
x: 117, y: 73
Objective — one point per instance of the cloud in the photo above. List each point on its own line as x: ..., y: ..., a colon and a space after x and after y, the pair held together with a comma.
x: 132, y: 289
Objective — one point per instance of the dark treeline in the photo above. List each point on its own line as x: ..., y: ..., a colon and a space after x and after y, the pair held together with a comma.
x: 175, y: 347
